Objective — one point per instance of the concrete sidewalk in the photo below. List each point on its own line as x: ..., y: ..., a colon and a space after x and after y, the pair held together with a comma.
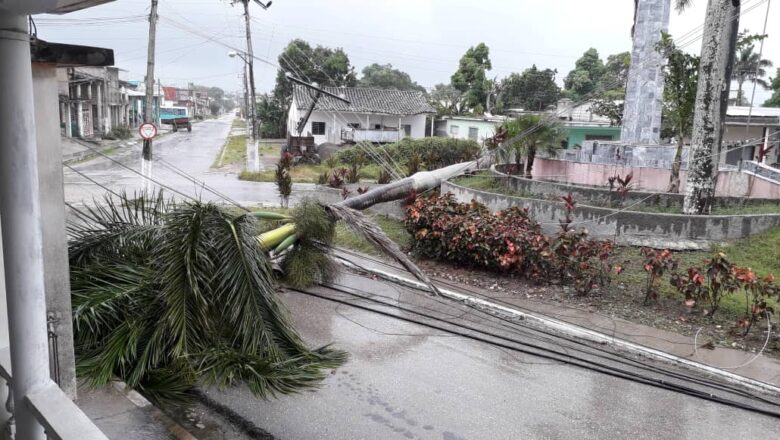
x: 119, y: 417
x: 762, y: 368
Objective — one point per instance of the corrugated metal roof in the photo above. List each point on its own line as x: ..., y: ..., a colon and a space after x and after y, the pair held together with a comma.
x: 389, y: 102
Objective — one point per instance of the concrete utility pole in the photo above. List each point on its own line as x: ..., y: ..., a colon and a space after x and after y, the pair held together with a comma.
x: 645, y: 87
x: 250, y: 64
x: 146, y: 159
x: 719, y: 43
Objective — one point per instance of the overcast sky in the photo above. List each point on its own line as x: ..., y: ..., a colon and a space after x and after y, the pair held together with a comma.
x: 425, y: 38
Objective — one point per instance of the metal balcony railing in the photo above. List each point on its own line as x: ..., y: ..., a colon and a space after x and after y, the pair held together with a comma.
x: 59, y: 416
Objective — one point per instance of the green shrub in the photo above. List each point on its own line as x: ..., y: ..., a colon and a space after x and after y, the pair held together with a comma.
x: 433, y: 152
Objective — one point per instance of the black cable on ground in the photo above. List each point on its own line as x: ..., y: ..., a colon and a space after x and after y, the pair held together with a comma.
x: 703, y: 381
x: 554, y: 356
x: 549, y: 338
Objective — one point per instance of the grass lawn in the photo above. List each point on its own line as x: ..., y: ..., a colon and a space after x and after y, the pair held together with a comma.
x: 305, y: 173
x: 270, y: 149
x: 233, y: 152
x: 238, y: 123
x: 394, y: 229
x: 300, y: 174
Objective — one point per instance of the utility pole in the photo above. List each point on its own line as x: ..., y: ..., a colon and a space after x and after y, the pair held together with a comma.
x: 246, y: 97
x: 250, y: 64
x: 146, y: 159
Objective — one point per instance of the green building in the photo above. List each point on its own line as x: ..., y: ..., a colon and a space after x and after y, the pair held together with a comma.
x: 580, y: 131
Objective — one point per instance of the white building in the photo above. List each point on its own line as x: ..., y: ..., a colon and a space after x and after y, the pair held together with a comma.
x: 372, y: 115
x: 469, y: 127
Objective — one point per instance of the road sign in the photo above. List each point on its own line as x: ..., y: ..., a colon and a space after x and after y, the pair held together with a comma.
x: 147, y: 131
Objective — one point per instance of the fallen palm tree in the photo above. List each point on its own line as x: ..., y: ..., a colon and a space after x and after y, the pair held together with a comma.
x: 167, y: 295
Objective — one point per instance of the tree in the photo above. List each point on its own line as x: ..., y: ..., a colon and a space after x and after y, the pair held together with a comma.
x: 715, y: 67
x: 321, y: 65
x: 446, y: 99
x: 774, y: 100
x: 534, y: 89
x: 471, y: 78
x: 608, y: 108
x: 613, y: 82
x: 272, y: 117
x: 587, y: 75
x: 531, y: 134
x: 384, y: 76
x: 748, y: 65
x: 681, y: 74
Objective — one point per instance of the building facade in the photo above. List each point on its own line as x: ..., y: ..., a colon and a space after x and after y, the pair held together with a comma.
x: 372, y: 115
x: 93, y: 100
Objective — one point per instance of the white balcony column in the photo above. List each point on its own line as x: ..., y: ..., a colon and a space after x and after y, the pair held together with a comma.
x: 79, y: 111
x: 21, y: 231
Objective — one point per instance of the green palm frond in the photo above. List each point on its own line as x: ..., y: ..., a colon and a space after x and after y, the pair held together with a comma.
x: 158, y: 285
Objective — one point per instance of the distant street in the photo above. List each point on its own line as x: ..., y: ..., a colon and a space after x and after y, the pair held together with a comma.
x: 192, y: 153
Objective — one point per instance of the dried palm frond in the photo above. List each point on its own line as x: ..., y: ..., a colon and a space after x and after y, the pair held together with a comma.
x: 374, y: 235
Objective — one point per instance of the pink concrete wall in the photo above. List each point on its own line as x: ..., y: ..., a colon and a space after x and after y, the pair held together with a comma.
x: 648, y: 179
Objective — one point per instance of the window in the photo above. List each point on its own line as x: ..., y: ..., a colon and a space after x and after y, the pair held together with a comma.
x: 318, y: 128
x: 407, y: 130
x: 473, y: 133
x: 355, y: 125
x: 454, y: 130
x: 377, y: 126
x: 598, y: 137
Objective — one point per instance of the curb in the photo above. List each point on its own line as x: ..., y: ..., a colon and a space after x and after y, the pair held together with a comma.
x: 573, y: 330
x: 175, y: 429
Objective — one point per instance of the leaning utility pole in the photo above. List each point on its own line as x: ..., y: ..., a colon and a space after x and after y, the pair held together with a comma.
x: 146, y: 159
x: 250, y: 65
x: 717, y: 59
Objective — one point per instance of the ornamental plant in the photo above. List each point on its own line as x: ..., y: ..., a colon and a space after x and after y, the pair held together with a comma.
x: 757, y: 291
x: 709, y: 284
x: 656, y: 263
x: 507, y: 241
x: 284, y: 178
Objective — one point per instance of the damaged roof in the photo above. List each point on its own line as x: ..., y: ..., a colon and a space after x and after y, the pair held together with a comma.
x: 387, y: 102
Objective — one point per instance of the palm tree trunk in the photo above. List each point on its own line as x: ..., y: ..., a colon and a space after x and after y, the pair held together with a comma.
x: 717, y: 57
x: 674, y: 178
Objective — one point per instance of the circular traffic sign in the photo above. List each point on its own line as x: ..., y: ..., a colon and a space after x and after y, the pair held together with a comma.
x: 147, y: 131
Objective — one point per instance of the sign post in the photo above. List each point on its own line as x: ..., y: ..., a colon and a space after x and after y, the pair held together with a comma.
x: 148, y: 131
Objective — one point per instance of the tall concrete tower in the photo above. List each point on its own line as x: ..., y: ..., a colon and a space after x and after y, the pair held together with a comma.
x: 644, y: 91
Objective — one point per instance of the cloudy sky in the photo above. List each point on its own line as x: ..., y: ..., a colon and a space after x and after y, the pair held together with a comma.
x: 422, y: 37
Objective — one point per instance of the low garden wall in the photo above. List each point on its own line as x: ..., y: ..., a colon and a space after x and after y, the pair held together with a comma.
x: 729, y: 184
x: 601, y: 195
x: 673, y: 231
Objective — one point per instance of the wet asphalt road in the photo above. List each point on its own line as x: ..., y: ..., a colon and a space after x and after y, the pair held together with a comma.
x: 192, y: 153
x: 407, y: 381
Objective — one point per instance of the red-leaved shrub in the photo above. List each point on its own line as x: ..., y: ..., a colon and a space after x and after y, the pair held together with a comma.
x: 508, y: 240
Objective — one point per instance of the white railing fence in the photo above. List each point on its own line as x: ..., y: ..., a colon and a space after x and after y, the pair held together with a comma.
x: 59, y: 416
